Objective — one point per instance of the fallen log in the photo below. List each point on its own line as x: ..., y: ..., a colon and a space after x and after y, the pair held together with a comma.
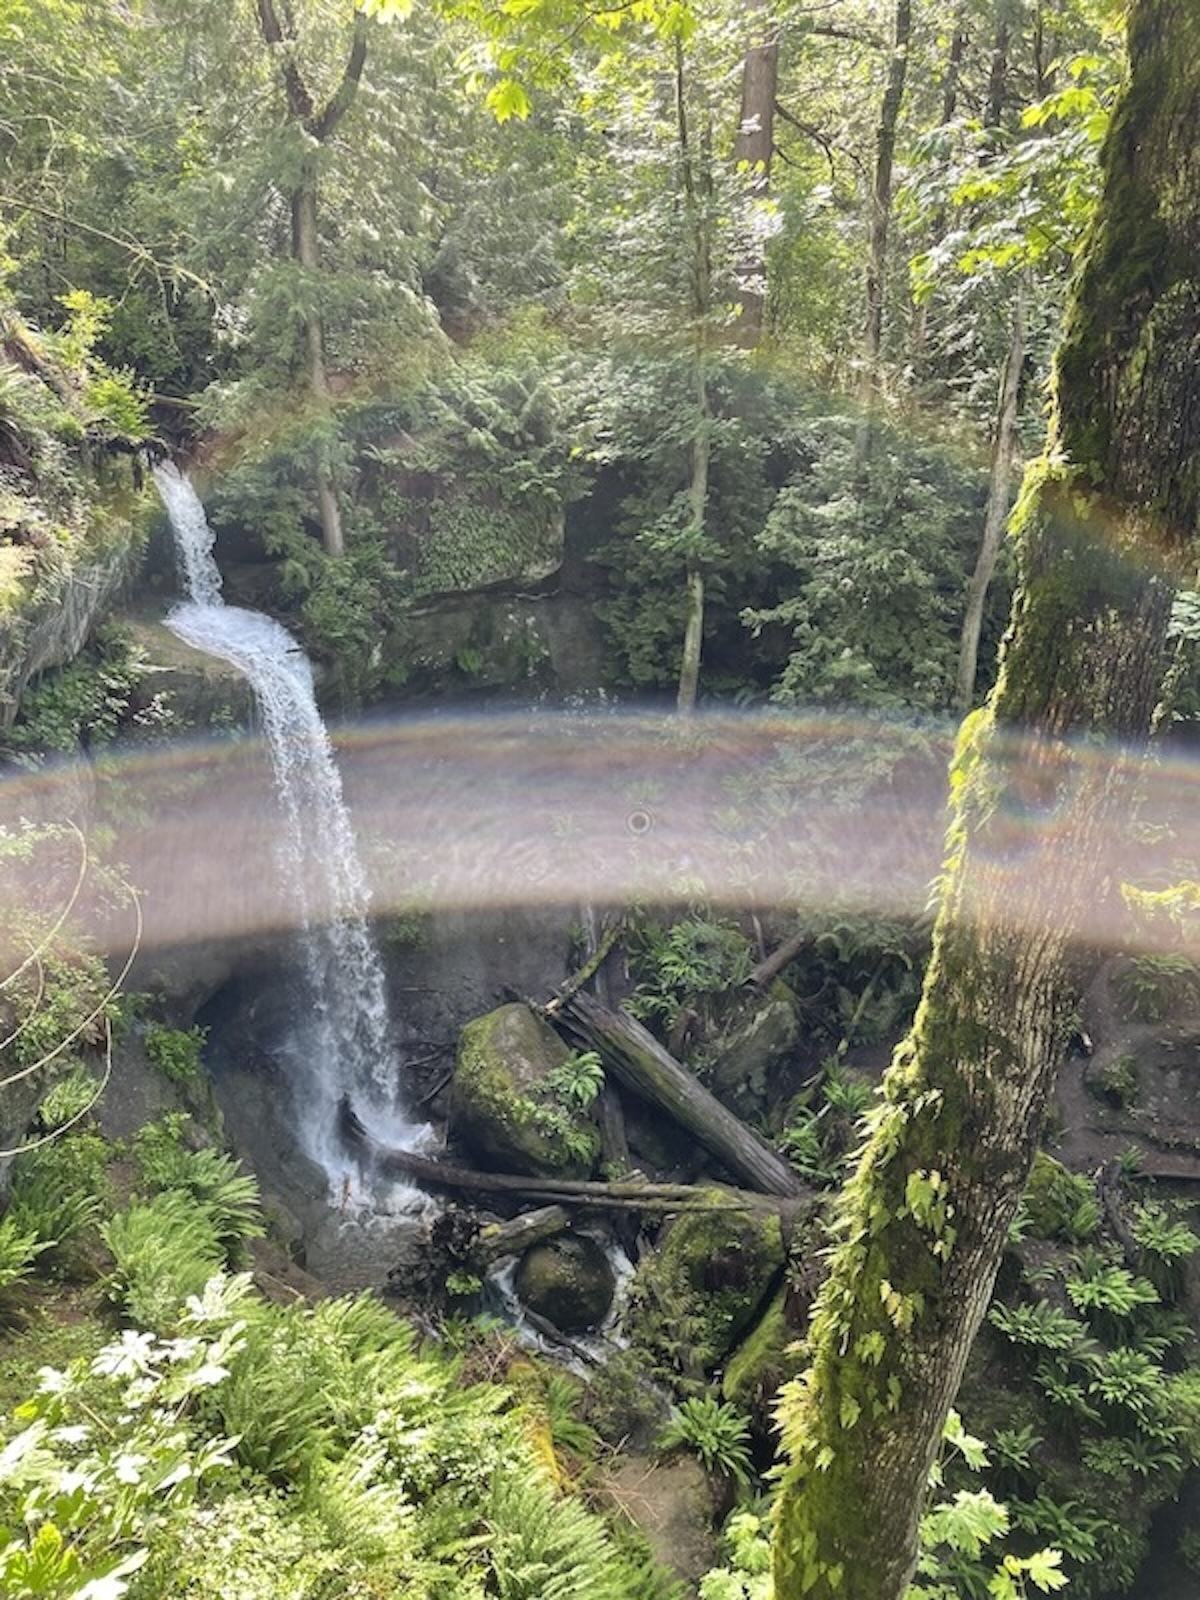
x: 640, y: 1063
x: 496, y: 1239
x: 629, y: 1194
x: 769, y: 968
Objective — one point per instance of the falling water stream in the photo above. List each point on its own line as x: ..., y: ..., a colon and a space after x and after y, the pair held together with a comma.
x: 343, y: 1043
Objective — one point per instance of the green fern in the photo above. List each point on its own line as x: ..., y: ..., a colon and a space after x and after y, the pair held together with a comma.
x: 229, y: 1197
x: 59, y: 1193
x: 1165, y: 1243
x: 164, y: 1249
x: 18, y: 1251
x: 1040, y: 1327
x: 545, y: 1547
x: 713, y: 1430
x: 1107, y: 1294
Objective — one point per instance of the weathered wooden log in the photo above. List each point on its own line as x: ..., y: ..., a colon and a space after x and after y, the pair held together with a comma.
x: 628, y: 1195
x: 640, y: 1063
x: 496, y: 1239
x: 768, y: 969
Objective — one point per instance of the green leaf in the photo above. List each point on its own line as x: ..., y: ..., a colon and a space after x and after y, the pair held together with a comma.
x: 1044, y: 1569
x: 507, y: 99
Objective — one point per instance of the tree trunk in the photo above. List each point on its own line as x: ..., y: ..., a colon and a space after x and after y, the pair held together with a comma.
x: 696, y: 182
x: 1104, y: 529
x: 753, y: 151
x: 306, y: 250
x: 638, y: 1060
x: 881, y: 198
x: 1004, y: 455
x: 317, y: 124
x: 951, y: 83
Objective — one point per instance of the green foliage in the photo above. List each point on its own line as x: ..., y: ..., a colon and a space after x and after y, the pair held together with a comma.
x: 67, y: 1101
x: 873, y: 572
x: 559, y: 1403
x: 622, y: 1403
x: 1166, y: 1243
x: 1040, y: 1327
x: 1117, y: 1082
x: 713, y: 1430
x: 578, y: 1080
x: 958, y: 1532
x: 19, y: 1249
x: 1150, y: 987
x: 164, y: 1249
x: 61, y: 1003
x: 639, y: 432
x: 176, y: 1052
x: 228, y: 1197
x: 1059, y: 1204
x: 542, y: 1547
x: 746, y: 1547
x: 88, y: 702
x: 1106, y: 1293
x: 686, y: 964
x: 859, y: 977
x: 802, y: 1142
x: 59, y: 1193
x: 818, y: 1139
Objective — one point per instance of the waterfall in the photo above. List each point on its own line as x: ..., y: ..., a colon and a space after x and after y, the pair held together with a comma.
x: 343, y: 1043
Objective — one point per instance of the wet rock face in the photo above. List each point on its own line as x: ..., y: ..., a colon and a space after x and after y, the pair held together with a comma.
x: 568, y: 1280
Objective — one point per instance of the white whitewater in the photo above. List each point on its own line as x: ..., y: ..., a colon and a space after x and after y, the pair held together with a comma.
x: 344, y: 1043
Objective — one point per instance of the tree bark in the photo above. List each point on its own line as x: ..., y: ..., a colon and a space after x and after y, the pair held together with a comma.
x: 1004, y: 455
x: 753, y: 150
x: 640, y: 1063
x: 1105, y: 528
x: 881, y: 198
x: 695, y: 175
x: 317, y: 125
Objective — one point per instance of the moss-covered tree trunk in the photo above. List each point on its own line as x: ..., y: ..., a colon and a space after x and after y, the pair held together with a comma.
x: 1104, y: 525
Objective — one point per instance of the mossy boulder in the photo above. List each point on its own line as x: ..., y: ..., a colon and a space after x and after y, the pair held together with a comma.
x: 755, y: 1040
x: 568, y: 1280
x: 697, y: 1294
x: 1058, y: 1203
x: 764, y: 1360
x: 503, y: 1104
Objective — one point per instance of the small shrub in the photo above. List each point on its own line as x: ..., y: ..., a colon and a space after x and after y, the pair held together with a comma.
x: 1165, y: 1244
x: 19, y: 1249
x: 228, y: 1196
x: 713, y: 1430
x: 59, y: 1193
x: 69, y: 1100
x: 578, y: 1080
x: 164, y: 1250
x: 1151, y: 987
x: 1107, y: 1294
x: 1116, y: 1083
x: 176, y: 1052
x: 1060, y: 1204
x: 1039, y: 1327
